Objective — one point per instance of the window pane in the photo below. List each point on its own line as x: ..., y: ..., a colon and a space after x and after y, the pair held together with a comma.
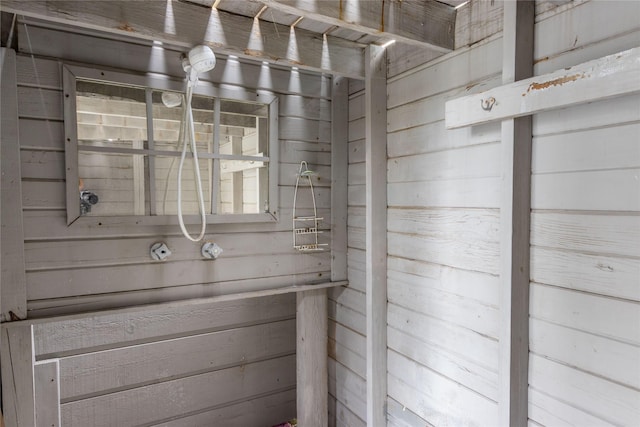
x: 110, y: 115
x: 245, y: 122
x: 244, y: 187
x: 111, y: 184
x: 166, y: 180
x: 167, y: 117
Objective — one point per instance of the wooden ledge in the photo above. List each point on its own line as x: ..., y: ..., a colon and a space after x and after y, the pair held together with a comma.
x: 180, y: 305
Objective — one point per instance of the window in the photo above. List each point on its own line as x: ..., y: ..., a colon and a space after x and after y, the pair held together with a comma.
x: 123, y: 150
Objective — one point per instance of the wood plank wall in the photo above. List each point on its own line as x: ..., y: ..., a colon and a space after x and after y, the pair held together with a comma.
x: 347, y: 326
x: 584, y: 361
x: 443, y: 253
x: 77, y: 268
x: 238, y: 370
x: 188, y: 364
x: 444, y: 190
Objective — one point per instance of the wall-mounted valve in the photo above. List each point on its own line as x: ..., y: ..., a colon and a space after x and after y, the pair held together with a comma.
x: 211, y: 250
x: 159, y: 251
x: 87, y: 199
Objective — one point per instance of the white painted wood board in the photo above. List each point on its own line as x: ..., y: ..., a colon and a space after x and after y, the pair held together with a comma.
x: 607, y: 77
x: 593, y: 354
x: 547, y: 410
x: 481, y: 287
x: 443, y: 401
x: 47, y: 393
x: 13, y: 295
x: 608, y: 317
x: 348, y: 388
x: 587, y: 232
x: 599, y: 274
x: 444, y: 335
x: 448, y: 364
x: 605, y: 399
x: 459, y: 68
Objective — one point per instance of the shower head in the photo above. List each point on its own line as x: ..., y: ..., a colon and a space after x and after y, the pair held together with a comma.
x: 202, y: 59
x: 171, y: 99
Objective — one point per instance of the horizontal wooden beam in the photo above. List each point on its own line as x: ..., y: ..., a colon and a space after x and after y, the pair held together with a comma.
x: 428, y: 24
x: 607, y: 77
x: 186, y: 25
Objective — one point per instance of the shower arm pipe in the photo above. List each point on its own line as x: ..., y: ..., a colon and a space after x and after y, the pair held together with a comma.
x: 188, y: 129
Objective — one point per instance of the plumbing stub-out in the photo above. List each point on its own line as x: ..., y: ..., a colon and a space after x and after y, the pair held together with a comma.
x: 159, y: 251
x: 211, y: 250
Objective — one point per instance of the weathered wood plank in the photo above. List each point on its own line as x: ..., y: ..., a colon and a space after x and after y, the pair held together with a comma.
x: 463, y: 193
x: 399, y: 416
x: 434, y: 137
x: 608, y: 77
x: 567, y: 45
x: 604, y: 275
x: 17, y: 357
x: 13, y: 295
x: 443, y: 402
x: 604, y: 113
x: 376, y: 238
x: 268, y: 410
x: 402, y: 22
x: 189, y: 25
x: 47, y: 393
x: 339, y: 174
x: 45, y: 134
x: 429, y: 110
x: 477, y: 286
x: 515, y: 215
x: 131, y: 325
x: 447, y: 73
x: 451, y: 365
x: 240, y: 288
x: 38, y: 103
x: 461, y: 244
x: 607, y: 358
x: 606, y: 235
x: 107, y: 371
x: 547, y: 410
x: 158, y: 402
x: 447, y: 307
x: 348, y: 317
x: 449, y: 337
x: 476, y: 161
x: 348, y: 388
x: 599, y: 315
x: 610, y: 401
x: 589, y: 190
x: 613, y: 147
x: 72, y: 282
x: 311, y: 357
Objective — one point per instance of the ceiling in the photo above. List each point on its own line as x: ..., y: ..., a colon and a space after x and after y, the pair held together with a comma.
x: 327, y: 36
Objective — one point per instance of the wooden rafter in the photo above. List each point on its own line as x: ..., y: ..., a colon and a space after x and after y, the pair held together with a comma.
x: 428, y: 24
x: 186, y: 25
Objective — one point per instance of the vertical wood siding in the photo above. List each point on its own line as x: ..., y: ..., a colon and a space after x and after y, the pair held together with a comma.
x: 584, y: 362
x: 347, y: 328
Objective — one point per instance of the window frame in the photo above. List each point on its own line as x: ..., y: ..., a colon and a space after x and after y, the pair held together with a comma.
x: 158, y: 82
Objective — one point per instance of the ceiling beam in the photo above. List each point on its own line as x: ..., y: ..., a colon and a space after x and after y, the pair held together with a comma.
x: 429, y: 24
x: 186, y: 25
